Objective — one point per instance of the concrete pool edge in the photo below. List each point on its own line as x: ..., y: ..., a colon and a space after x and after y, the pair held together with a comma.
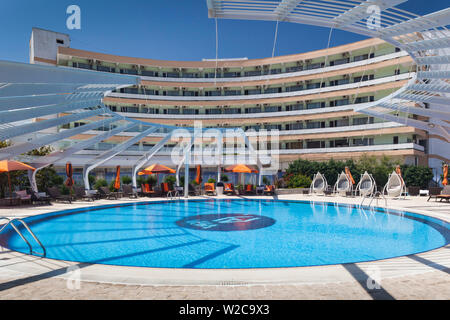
x: 438, y: 259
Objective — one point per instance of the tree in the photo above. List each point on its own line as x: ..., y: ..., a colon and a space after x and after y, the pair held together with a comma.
x: 419, y: 176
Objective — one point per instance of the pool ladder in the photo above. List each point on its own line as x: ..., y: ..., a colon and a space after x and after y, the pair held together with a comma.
x: 11, y: 223
x: 174, y: 195
x: 372, y: 197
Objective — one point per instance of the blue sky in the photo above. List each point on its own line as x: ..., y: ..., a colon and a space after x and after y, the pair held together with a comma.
x: 163, y: 29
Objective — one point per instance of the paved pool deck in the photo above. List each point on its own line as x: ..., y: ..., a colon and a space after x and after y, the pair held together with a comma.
x: 419, y: 276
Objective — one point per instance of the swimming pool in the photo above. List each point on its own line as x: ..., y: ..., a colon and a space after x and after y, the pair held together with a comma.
x: 231, y: 234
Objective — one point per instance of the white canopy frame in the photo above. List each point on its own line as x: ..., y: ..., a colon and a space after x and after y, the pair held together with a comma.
x: 425, y: 38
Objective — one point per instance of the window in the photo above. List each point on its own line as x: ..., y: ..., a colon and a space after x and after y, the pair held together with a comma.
x: 232, y: 111
x: 58, y: 41
x: 364, y: 78
x: 294, y: 69
x: 213, y: 111
x: 232, y: 92
x: 273, y: 90
x: 272, y: 109
x: 190, y: 111
x: 294, y: 107
x: 253, y: 110
x: 252, y: 73
x: 395, y: 140
x: 339, y: 61
x: 315, y: 105
x: 294, y: 88
x: 105, y: 69
x: 339, y: 82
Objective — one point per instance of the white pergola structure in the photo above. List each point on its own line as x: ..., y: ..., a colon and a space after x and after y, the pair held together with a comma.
x: 425, y: 38
x: 36, y: 101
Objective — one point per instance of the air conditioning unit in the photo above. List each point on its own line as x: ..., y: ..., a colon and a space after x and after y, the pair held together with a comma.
x: 258, y: 67
x: 225, y: 69
x: 346, y: 54
x: 346, y: 76
x: 308, y: 61
x: 345, y: 97
x: 135, y: 67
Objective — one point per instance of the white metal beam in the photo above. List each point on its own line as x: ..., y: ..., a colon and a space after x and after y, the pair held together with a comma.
x: 147, y: 156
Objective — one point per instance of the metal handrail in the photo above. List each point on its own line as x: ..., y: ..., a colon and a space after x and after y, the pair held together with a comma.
x: 11, y: 222
x: 373, y: 196
x: 174, y: 195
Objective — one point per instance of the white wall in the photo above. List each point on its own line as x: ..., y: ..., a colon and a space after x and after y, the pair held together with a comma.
x: 43, y: 44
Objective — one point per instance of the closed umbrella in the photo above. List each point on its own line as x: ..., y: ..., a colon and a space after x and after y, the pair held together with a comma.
x: 9, y: 166
x: 117, y: 182
x: 198, y: 178
x: 69, y: 173
x: 349, y: 175
x: 445, y: 181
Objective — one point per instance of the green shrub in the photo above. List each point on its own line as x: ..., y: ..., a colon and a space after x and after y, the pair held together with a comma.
x: 140, y: 181
x: 298, y: 181
x: 151, y: 180
x: 92, y: 180
x: 266, y: 181
x: 224, y: 178
x: 211, y: 180
x: 419, y: 176
x: 64, y: 190
x: 100, y: 183
x: 127, y: 180
x: 171, y: 180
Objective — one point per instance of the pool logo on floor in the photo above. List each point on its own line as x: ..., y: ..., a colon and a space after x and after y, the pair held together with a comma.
x: 226, y: 222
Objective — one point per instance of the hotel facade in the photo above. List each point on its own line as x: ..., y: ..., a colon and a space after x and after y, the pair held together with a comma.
x: 308, y: 97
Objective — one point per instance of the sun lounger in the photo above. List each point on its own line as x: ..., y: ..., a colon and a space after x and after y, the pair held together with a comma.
x: 210, y: 189
x: 147, y: 190
x: 128, y: 191
x: 40, y: 198
x: 23, y: 196
x: 269, y: 190
x: 249, y: 189
x: 80, y: 194
x: 107, y: 194
x: 56, y: 195
x: 165, y: 189
x: 229, y: 189
x: 445, y: 195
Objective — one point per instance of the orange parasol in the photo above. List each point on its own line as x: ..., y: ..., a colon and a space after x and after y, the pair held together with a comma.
x: 8, y: 166
x: 349, y: 174
x: 117, y: 182
x: 199, y: 179
x: 445, y: 181
x: 156, y: 169
x: 240, y: 168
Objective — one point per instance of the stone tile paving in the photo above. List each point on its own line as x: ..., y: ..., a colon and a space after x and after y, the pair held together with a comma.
x: 431, y: 285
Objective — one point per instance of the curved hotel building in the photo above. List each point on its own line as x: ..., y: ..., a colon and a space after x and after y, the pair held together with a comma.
x: 309, y: 97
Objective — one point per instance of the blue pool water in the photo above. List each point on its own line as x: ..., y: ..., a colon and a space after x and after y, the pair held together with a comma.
x: 218, y: 234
